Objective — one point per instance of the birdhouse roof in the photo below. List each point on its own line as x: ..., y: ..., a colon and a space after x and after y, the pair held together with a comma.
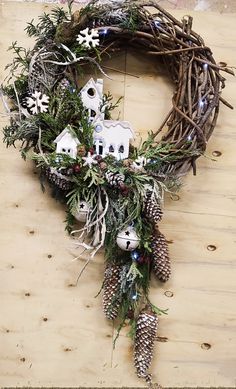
x: 94, y: 84
x: 67, y: 130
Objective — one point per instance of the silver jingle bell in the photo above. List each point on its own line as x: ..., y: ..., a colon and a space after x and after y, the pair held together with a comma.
x: 128, y: 239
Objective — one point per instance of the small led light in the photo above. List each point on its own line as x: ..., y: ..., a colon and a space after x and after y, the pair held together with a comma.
x: 189, y: 138
x: 103, y: 32
x: 205, y: 66
x: 157, y: 23
x: 135, y: 255
x: 201, y: 103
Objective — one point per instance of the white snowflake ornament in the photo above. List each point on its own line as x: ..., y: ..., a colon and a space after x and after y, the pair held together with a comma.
x: 89, y: 160
x: 38, y: 102
x: 88, y: 38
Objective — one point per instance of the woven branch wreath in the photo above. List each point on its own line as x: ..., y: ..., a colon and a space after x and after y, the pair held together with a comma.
x: 113, y: 188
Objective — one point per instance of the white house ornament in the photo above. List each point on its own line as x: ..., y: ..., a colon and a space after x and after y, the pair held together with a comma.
x: 113, y: 137
x: 88, y: 38
x: 82, y: 211
x: 128, y: 239
x: 37, y: 102
x: 67, y: 143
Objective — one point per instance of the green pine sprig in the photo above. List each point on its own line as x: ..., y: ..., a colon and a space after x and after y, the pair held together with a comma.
x: 46, y: 28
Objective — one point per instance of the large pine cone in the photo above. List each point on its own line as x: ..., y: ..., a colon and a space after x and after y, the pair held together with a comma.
x: 58, y: 179
x: 114, y: 179
x: 111, y: 290
x: 152, y: 208
x: 144, y: 342
x: 160, y: 257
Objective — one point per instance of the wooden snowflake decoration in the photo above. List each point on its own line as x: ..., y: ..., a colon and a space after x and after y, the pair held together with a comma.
x: 88, y: 38
x: 38, y: 102
x: 89, y: 160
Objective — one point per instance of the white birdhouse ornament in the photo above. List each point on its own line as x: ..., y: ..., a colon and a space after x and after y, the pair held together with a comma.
x: 82, y: 211
x: 128, y: 239
x: 92, y: 96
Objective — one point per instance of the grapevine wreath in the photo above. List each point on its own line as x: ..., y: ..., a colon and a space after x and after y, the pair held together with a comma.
x: 112, y: 187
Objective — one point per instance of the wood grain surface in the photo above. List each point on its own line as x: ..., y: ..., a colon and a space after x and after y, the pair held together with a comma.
x: 52, y: 332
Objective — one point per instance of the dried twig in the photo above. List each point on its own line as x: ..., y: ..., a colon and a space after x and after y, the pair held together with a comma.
x: 197, y: 96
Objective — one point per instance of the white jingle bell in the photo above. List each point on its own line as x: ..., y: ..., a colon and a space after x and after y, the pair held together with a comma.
x: 128, y: 239
x: 82, y: 211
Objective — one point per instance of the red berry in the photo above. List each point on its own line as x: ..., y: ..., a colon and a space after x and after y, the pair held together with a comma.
x: 130, y: 314
x: 77, y: 168
x: 145, y: 259
x: 99, y: 158
x: 125, y: 190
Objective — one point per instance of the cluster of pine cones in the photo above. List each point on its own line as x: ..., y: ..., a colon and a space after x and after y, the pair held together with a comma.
x: 160, y: 256
x: 146, y: 323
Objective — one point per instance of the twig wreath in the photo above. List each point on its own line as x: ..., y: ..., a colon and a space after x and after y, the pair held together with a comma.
x: 112, y: 187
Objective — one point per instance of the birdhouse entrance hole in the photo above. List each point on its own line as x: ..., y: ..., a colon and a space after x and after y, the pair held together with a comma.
x: 91, y: 92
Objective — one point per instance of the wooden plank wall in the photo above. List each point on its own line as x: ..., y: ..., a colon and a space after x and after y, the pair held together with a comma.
x: 53, y: 333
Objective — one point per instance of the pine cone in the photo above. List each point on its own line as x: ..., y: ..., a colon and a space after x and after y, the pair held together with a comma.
x: 152, y: 209
x: 111, y: 289
x: 144, y: 342
x: 58, y: 179
x: 114, y: 179
x: 160, y: 257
